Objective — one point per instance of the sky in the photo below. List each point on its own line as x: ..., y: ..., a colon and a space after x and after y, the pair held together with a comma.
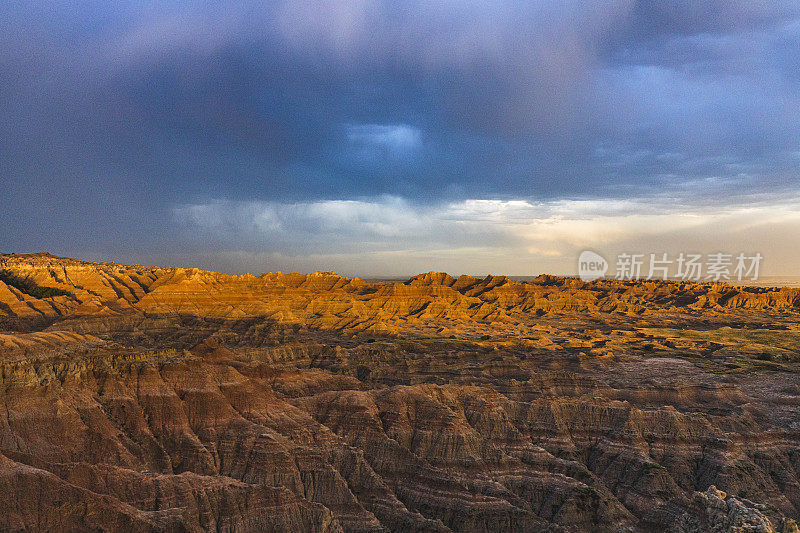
x: 395, y: 137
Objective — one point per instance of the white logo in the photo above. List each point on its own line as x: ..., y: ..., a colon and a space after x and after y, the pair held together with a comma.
x: 591, y: 266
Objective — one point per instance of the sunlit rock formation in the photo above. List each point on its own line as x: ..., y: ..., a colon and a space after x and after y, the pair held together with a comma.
x: 161, y: 399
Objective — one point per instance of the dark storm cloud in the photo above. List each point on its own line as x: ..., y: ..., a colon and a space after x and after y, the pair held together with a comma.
x: 116, y: 114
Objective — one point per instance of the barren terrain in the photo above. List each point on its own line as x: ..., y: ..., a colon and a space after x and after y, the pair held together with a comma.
x: 172, y: 399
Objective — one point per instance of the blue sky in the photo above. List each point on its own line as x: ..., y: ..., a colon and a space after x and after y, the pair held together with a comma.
x: 375, y: 137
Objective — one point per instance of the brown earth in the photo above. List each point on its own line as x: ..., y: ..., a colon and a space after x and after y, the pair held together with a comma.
x: 170, y: 399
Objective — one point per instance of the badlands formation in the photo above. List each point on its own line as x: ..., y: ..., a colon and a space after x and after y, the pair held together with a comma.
x: 170, y: 399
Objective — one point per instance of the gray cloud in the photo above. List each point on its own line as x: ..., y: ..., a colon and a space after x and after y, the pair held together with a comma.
x: 396, y: 237
x: 113, y: 115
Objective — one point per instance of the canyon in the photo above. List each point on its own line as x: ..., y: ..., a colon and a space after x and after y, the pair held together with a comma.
x: 176, y: 399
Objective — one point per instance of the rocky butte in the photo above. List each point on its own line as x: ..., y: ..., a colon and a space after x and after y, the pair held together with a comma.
x: 171, y: 399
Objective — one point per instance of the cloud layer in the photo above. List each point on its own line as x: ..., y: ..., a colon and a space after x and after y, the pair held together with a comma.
x: 115, y: 116
x: 391, y: 236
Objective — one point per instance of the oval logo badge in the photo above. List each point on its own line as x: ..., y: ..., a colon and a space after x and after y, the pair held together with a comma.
x: 591, y: 265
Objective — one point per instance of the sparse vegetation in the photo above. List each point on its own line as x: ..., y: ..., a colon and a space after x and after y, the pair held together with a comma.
x: 740, y: 341
x: 485, y: 337
x: 30, y: 288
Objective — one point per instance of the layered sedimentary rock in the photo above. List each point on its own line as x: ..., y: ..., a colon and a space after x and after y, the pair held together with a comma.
x: 160, y: 399
x: 326, y: 300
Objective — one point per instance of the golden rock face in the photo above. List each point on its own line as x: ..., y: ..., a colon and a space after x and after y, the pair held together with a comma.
x: 153, y: 399
x: 427, y: 302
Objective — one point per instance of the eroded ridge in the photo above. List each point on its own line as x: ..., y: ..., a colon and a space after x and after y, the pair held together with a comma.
x: 157, y: 399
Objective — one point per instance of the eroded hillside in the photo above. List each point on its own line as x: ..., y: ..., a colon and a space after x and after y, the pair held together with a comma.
x: 155, y: 399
